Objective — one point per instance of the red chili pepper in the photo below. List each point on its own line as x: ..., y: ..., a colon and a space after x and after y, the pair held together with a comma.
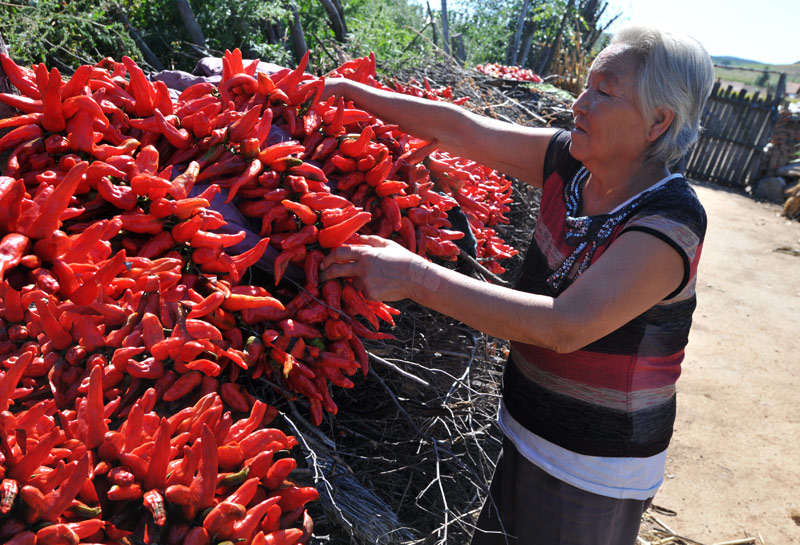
x: 161, y: 99
x: 56, y: 502
x: 356, y: 304
x: 180, y: 138
x: 205, y: 366
x: 185, y: 230
x: 57, y: 534
x: 336, y: 235
x: 303, y: 212
x: 356, y: 148
x: 154, y: 502
x: 296, y: 254
x: 183, y: 183
x: 199, y: 329
x: 378, y: 173
x: 18, y: 78
x: 140, y: 88
x: 52, y: 114
x: 122, y: 197
x: 156, y: 478
x: 244, y: 127
x: 197, y: 90
x: 17, y: 136
x: 278, y: 472
x: 249, y: 175
x: 334, y: 119
x: 13, y: 247
x: 387, y: 188
x: 339, y: 162
x: 96, y: 427
x: 321, y: 201
x: 391, y: 212
x: 204, y: 239
x: 220, y: 520
x: 60, y: 338
x: 294, y: 328
x: 205, y: 482
x: 294, y: 496
x: 185, y: 384
x: 138, y: 222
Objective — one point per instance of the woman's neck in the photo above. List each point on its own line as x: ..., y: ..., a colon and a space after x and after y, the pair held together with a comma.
x: 605, y: 189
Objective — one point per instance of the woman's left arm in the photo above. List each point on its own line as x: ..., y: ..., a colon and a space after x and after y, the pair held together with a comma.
x: 636, y: 272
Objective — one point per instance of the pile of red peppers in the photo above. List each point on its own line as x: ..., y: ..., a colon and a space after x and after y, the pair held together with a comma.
x: 126, y: 322
x: 514, y: 73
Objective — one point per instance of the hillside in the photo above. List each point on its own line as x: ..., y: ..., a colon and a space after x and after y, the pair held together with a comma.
x: 750, y: 74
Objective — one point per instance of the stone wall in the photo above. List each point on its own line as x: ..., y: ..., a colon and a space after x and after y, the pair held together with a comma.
x: 785, y: 141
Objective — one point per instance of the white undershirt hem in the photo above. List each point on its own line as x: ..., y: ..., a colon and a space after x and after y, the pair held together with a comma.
x: 621, y: 478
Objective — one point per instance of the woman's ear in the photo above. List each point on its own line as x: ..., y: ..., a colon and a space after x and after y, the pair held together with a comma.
x: 660, y: 123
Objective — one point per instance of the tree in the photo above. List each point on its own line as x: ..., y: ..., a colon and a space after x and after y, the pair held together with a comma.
x: 190, y: 22
x: 445, y: 29
x: 336, y: 17
x: 555, y: 45
x: 298, y: 36
x: 513, y: 54
x: 763, y: 79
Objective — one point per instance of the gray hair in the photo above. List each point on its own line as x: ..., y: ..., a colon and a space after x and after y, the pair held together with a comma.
x: 675, y: 72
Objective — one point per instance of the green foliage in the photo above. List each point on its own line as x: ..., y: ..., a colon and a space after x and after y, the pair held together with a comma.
x: 488, y: 26
x: 225, y: 24
x: 389, y: 29
x: 64, y: 34
x: 400, y: 32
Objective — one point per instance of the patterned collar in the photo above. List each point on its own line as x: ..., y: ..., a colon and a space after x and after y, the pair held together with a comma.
x: 587, y: 233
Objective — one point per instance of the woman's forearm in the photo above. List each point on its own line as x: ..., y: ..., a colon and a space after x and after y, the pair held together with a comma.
x: 514, y: 150
x: 497, y: 311
x: 425, y: 119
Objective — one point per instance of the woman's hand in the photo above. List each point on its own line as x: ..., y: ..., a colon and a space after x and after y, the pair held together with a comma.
x: 335, y: 87
x: 382, y: 269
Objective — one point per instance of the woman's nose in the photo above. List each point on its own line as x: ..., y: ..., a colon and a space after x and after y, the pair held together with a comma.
x: 580, y: 104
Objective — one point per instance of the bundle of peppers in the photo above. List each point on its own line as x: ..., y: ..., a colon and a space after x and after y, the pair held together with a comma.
x: 127, y: 330
x: 514, y: 73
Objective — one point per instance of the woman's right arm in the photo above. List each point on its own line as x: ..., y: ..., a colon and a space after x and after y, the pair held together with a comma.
x: 514, y: 150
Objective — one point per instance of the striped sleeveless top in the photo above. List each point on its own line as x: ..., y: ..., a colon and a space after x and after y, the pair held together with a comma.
x: 616, y: 396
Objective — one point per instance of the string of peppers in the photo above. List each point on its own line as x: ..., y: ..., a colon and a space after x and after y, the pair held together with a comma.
x: 125, y: 324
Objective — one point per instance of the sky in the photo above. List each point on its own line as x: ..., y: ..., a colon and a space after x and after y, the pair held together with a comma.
x: 766, y: 31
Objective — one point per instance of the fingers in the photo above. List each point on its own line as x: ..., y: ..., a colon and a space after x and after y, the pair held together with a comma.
x: 340, y: 255
x: 372, y: 240
x: 339, y: 270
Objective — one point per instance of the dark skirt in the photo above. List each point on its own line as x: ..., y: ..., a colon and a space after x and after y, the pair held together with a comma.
x: 528, y: 506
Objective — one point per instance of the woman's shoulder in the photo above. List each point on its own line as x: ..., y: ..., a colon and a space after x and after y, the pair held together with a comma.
x: 676, y: 202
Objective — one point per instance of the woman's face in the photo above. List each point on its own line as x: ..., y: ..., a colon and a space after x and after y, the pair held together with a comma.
x: 608, y: 124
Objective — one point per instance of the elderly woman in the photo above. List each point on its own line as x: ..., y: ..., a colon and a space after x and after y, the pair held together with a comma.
x: 600, y: 316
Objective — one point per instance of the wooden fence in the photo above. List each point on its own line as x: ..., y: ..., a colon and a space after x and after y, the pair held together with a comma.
x: 736, y: 129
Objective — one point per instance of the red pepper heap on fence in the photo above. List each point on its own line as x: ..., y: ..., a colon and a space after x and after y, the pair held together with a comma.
x: 125, y: 323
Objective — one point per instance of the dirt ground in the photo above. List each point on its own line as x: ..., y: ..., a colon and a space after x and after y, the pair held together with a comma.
x: 733, y: 469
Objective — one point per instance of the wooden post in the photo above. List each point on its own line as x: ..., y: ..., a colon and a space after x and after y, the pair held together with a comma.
x: 445, y: 30
x: 337, y: 21
x: 780, y: 89
x: 556, y: 44
x: 515, y: 50
x: 190, y: 22
x: 340, y: 9
x: 147, y: 53
x: 459, y: 52
x: 298, y: 37
x: 433, y: 24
